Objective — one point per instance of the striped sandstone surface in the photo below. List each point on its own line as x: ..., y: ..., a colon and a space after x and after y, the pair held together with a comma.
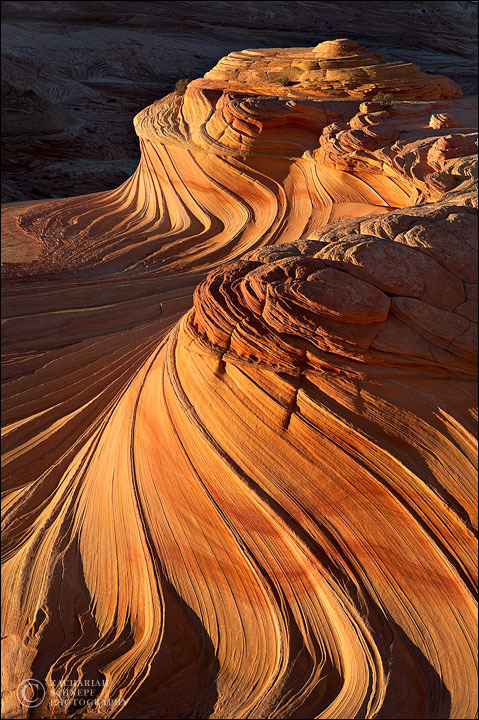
x: 240, y: 402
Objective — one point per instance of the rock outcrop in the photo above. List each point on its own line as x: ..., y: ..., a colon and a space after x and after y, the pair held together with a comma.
x: 400, y: 142
x: 263, y: 165
x: 240, y: 408
x: 103, y: 63
x: 338, y: 68
x: 384, y: 304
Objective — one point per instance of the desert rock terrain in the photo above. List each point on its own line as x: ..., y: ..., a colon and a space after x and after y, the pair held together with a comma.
x: 74, y: 73
x: 240, y: 404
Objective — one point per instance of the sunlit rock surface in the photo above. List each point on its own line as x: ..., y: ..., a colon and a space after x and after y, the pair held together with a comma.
x: 340, y: 68
x: 240, y: 407
x: 74, y: 73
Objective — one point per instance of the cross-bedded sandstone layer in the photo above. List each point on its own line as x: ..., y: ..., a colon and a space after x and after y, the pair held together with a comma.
x: 73, y: 74
x: 240, y: 406
x: 337, y: 68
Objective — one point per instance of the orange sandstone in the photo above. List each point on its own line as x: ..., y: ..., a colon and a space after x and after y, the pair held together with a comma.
x: 239, y: 406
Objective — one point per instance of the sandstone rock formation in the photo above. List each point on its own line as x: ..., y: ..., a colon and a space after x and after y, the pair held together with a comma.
x: 103, y: 63
x: 338, y: 68
x: 240, y: 405
x: 401, y: 143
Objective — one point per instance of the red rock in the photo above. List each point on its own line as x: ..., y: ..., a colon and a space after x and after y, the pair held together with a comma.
x: 240, y: 402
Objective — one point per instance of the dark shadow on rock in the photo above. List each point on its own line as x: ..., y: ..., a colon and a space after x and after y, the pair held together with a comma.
x: 182, y: 679
x: 415, y: 690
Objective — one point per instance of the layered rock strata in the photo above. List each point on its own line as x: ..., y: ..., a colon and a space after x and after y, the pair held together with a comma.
x: 102, y: 63
x: 337, y: 68
x: 256, y: 166
x: 240, y: 413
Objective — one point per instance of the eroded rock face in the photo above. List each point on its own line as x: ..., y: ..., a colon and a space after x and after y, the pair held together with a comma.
x: 400, y: 142
x: 103, y: 63
x: 360, y: 304
x: 338, y: 68
x: 218, y: 163
x: 240, y: 407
